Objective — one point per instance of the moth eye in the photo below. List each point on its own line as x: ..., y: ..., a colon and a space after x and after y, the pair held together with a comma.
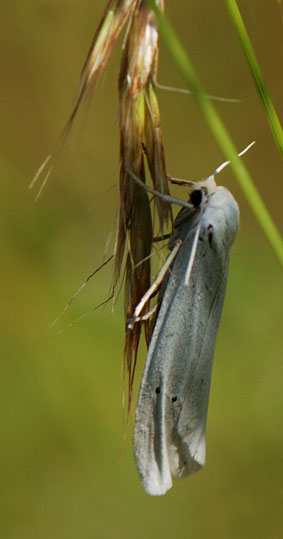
x: 173, y: 399
x: 196, y: 197
x: 157, y: 390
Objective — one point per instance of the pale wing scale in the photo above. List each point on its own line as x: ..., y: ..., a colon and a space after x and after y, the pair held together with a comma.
x: 170, y: 419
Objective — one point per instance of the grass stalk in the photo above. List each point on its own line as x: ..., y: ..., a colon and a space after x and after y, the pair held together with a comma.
x: 220, y: 133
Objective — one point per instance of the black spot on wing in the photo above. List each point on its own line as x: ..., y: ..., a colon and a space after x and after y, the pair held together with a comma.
x: 210, y: 235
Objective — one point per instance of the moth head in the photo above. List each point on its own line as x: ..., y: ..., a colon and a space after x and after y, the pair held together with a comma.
x: 204, y: 188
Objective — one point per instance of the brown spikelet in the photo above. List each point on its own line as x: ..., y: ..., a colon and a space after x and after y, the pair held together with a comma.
x: 140, y: 136
x: 140, y: 132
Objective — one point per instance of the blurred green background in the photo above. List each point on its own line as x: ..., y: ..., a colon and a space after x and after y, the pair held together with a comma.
x: 65, y: 470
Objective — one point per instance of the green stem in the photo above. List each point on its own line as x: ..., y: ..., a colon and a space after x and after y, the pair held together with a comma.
x: 256, y: 73
x: 220, y: 133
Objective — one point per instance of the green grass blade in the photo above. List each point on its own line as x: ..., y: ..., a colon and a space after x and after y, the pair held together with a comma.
x: 256, y: 73
x: 220, y: 133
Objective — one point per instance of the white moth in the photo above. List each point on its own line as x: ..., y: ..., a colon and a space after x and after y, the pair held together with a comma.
x: 170, y: 417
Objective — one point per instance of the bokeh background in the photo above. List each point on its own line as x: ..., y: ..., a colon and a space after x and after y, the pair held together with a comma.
x: 65, y: 470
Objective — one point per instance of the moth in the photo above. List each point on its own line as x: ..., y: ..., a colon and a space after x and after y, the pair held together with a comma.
x: 171, y: 412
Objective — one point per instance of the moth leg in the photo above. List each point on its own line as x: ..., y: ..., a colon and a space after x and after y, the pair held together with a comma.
x: 156, y: 283
x: 161, y: 238
x: 167, y: 198
x: 144, y: 316
x: 178, y: 181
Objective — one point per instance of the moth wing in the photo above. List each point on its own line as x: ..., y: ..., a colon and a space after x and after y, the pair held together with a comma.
x: 169, y: 433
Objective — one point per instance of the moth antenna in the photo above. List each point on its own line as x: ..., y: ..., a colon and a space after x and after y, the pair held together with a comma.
x: 224, y: 165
